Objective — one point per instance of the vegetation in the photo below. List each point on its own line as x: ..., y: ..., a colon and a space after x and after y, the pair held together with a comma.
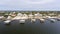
x: 56, y: 13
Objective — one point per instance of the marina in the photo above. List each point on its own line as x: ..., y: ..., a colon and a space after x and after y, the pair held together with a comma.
x: 22, y: 23
x: 29, y: 16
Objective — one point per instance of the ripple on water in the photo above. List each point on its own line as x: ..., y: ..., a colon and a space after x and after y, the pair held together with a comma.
x: 30, y: 28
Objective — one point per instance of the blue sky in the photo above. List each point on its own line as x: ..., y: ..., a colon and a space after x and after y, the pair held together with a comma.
x: 29, y: 4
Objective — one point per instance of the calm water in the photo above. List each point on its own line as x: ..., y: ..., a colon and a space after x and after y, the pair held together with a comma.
x: 30, y: 28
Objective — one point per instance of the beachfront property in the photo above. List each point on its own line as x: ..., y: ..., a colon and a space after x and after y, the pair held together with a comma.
x: 22, y: 16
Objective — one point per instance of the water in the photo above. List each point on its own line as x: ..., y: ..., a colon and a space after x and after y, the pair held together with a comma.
x: 30, y: 28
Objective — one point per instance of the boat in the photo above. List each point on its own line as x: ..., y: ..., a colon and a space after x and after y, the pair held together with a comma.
x: 52, y: 20
x: 42, y: 20
x: 7, y: 21
x: 58, y: 19
x: 21, y: 21
x: 33, y: 20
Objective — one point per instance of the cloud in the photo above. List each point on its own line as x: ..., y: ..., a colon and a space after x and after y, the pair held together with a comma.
x: 39, y: 1
x: 23, y: 2
x: 29, y: 4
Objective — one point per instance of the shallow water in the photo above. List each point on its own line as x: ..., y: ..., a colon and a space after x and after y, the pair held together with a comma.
x: 30, y: 28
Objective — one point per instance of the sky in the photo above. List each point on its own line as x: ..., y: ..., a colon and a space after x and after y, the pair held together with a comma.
x: 30, y: 5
